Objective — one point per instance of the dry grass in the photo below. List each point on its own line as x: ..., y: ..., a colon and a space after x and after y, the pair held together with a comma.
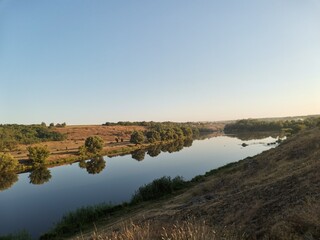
x: 191, y: 230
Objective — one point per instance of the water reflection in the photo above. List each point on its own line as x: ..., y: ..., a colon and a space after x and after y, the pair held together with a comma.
x: 138, y: 154
x: 246, y: 136
x: 7, y: 179
x: 155, y: 150
x: 94, y: 165
x: 40, y: 175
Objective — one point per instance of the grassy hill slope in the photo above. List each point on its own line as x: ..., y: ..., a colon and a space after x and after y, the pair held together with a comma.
x: 274, y: 195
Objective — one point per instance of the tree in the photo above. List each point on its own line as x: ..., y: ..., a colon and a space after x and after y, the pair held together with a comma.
x: 7, y: 162
x: 187, y: 131
x: 94, y: 144
x: 38, y: 154
x: 82, y: 152
x: 137, y: 137
x: 153, y: 136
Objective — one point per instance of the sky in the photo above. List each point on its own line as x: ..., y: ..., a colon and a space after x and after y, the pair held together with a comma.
x: 93, y: 61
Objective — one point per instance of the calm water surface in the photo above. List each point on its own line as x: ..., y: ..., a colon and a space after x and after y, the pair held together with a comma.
x: 36, y: 208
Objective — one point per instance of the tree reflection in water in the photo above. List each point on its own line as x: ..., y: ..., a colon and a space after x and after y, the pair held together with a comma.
x: 7, y: 179
x: 155, y: 150
x: 138, y: 154
x: 40, y: 175
x: 94, y: 165
x: 246, y: 136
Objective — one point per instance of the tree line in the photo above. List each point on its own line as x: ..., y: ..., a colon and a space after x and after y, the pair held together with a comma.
x: 288, y: 126
x: 13, y: 134
x: 164, y: 132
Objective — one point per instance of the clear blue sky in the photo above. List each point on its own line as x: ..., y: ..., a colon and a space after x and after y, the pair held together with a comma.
x: 91, y: 61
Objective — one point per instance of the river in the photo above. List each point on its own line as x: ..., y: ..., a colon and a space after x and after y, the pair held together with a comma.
x: 37, y: 200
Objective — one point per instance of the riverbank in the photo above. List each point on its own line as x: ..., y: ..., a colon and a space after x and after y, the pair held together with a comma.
x: 116, y: 138
x: 272, y: 195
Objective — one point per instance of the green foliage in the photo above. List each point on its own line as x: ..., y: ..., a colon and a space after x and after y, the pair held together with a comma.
x: 82, y: 152
x: 7, y: 162
x: 187, y: 131
x: 38, y: 154
x: 94, y: 144
x: 13, y: 134
x: 40, y: 175
x: 288, y: 126
x: 137, y: 137
x: 158, y: 188
x: 153, y: 136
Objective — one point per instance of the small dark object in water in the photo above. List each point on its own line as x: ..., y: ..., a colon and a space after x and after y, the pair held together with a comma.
x: 244, y: 145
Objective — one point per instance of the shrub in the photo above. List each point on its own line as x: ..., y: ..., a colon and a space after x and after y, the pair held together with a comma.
x: 153, y: 136
x: 7, y: 162
x: 158, y: 188
x: 137, y: 137
x: 94, y: 144
x: 38, y: 154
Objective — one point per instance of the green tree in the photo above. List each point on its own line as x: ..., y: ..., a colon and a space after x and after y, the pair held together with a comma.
x: 7, y: 162
x: 94, y: 144
x: 38, y: 154
x: 153, y: 136
x: 82, y: 152
x: 137, y: 137
x: 187, y: 131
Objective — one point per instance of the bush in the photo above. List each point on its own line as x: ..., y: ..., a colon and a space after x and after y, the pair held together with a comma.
x: 94, y: 144
x: 158, y: 188
x: 153, y: 136
x: 38, y: 154
x: 137, y: 137
x: 7, y: 162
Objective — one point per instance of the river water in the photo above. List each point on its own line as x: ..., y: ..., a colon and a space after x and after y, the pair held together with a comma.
x: 35, y: 201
